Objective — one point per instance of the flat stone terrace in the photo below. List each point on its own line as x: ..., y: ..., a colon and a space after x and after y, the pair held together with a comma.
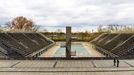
x: 65, y: 67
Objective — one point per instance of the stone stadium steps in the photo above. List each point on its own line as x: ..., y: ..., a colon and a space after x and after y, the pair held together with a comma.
x: 118, y: 44
x: 24, y: 40
x: 125, y: 48
x: 23, y: 44
x: 111, y: 39
x: 106, y: 39
x: 97, y: 38
x: 12, y: 44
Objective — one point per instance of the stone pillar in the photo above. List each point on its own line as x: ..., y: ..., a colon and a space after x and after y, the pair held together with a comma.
x: 68, y: 42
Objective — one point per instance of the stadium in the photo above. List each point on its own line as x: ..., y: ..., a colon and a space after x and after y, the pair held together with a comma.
x: 34, y: 45
x: 32, y: 53
x: 66, y: 37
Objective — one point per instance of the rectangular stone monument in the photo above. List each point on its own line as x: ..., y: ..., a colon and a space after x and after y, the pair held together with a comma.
x: 68, y: 42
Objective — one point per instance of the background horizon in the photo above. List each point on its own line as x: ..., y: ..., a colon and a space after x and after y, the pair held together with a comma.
x: 80, y: 14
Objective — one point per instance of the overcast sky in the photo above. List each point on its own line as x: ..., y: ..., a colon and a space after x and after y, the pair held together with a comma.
x: 69, y: 12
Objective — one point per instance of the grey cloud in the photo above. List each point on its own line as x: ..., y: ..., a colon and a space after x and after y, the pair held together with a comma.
x: 73, y: 12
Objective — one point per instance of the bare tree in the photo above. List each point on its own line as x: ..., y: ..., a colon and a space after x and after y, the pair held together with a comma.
x: 22, y: 24
x: 109, y: 28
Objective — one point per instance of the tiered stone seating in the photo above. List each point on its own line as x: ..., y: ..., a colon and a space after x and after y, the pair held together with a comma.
x: 118, y: 44
x: 125, y: 49
x: 43, y: 39
x: 94, y: 35
x: 108, y: 39
x: 38, y: 43
x: 105, y: 39
x: 97, y: 41
x: 23, y: 40
x: 13, y: 44
x: 23, y: 44
x: 117, y: 41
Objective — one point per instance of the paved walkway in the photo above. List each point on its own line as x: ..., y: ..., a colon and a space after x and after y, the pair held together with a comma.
x: 91, y: 50
x: 65, y: 67
x: 50, y: 52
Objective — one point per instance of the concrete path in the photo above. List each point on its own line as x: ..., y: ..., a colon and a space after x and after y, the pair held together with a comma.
x: 65, y: 67
x: 91, y: 50
x: 50, y: 52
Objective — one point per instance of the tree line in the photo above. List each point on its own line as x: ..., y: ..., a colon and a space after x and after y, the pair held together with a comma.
x: 23, y: 24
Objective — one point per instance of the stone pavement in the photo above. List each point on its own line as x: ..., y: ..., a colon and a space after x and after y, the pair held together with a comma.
x: 65, y: 67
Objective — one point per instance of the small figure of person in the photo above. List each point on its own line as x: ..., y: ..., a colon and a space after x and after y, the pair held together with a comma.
x: 118, y: 62
x: 114, y: 62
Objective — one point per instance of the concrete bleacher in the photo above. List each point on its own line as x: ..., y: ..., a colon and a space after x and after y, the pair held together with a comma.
x: 98, y: 39
x: 17, y: 45
x: 94, y: 35
x: 12, y: 45
x: 118, y: 44
x: 125, y: 49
